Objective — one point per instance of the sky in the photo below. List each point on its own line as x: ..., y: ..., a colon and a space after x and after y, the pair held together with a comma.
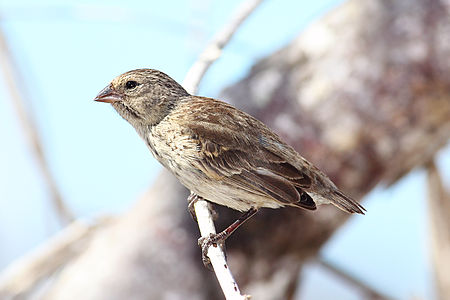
x: 67, y: 52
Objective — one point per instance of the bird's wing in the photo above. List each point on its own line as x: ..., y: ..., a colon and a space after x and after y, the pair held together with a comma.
x: 257, y: 171
x: 232, y: 144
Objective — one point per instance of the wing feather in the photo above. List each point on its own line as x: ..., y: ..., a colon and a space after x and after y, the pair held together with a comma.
x: 272, y: 178
x: 236, y: 147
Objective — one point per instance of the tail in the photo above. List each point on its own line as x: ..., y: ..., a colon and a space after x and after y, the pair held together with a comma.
x: 345, y: 203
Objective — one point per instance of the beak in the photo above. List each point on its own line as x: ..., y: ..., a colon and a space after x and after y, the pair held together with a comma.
x: 108, y: 95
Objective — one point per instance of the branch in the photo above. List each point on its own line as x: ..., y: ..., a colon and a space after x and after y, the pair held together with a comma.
x: 18, y: 96
x: 204, y: 218
x: 369, y: 291
x: 439, y: 216
x: 214, y: 49
x: 24, y: 275
x: 215, y: 254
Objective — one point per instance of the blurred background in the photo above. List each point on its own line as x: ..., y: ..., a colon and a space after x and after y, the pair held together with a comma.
x: 62, y: 54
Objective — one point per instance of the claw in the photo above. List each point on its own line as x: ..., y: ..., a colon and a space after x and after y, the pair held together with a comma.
x: 191, y: 200
x: 219, y: 238
x: 207, y: 241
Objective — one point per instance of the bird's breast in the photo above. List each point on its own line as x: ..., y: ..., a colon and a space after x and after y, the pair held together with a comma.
x: 172, y: 148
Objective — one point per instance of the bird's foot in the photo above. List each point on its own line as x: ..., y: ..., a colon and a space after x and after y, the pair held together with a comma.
x: 215, y: 240
x: 191, y: 201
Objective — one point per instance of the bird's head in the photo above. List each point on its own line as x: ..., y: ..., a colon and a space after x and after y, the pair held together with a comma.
x: 142, y: 97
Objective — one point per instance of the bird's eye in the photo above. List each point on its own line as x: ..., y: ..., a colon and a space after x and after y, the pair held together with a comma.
x: 131, y: 84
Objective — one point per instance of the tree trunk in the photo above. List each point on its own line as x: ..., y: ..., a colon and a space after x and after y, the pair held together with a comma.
x: 363, y: 94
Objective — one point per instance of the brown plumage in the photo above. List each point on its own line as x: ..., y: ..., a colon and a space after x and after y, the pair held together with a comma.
x: 217, y: 151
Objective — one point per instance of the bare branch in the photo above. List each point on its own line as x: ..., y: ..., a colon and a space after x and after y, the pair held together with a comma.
x: 205, y: 222
x: 369, y: 291
x: 23, y: 276
x: 18, y: 96
x: 439, y: 210
x: 215, y: 254
x: 214, y: 49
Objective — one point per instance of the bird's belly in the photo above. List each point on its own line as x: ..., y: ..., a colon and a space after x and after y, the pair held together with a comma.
x: 219, y: 192
x: 179, y: 158
x: 215, y: 190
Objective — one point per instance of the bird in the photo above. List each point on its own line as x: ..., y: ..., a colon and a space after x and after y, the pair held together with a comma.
x: 218, y: 152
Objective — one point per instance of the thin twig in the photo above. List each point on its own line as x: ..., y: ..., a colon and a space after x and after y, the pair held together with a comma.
x: 369, y: 291
x: 215, y: 254
x: 214, y: 49
x: 204, y: 218
x: 16, y: 85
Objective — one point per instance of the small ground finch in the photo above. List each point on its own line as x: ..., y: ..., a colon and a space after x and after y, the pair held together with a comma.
x: 218, y: 152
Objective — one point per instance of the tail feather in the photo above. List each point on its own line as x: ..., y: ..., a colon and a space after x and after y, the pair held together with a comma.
x: 346, y: 203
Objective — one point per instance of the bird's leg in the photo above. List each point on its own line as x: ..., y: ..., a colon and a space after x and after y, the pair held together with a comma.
x: 219, y: 238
